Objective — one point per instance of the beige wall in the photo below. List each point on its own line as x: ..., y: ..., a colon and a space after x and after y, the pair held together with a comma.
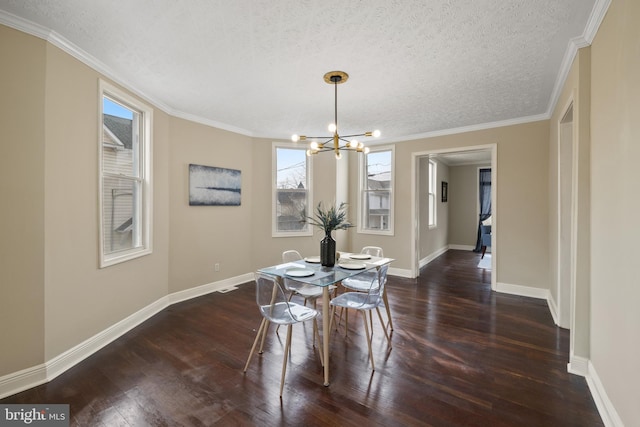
x: 57, y: 296
x: 81, y: 299
x: 463, y: 204
x: 202, y: 236
x: 432, y: 240
x: 615, y: 204
x: 22, y: 82
x: 522, y: 206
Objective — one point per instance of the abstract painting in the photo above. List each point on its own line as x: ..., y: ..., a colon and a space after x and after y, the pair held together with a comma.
x: 212, y: 186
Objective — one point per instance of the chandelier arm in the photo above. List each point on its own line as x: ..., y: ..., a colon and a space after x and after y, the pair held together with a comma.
x: 351, y: 136
x: 335, y: 142
x: 328, y: 138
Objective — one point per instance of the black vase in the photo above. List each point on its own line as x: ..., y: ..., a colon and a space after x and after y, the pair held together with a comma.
x: 328, y: 251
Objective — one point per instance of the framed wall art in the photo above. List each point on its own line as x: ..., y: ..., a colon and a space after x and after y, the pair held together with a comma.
x: 213, y: 186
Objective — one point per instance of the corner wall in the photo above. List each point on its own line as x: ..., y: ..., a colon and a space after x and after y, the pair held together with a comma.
x: 81, y: 299
x: 522, y: 211
x: 202, y: 236
x: 615, y: 207
x: 22, y: 182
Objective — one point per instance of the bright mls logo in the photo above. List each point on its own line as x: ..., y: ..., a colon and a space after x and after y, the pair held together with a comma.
x: 34, y: 415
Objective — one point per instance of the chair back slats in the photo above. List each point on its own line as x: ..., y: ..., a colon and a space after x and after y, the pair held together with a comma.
x: 373, y: 251
x: 291, y: 255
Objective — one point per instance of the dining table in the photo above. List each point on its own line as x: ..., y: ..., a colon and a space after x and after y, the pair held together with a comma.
x: 310, y: 271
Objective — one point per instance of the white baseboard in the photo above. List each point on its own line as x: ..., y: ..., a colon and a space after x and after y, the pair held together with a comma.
x: 400, y: 272
x: 607, y: 411
x: 199, y: 291
x: 22, y: 380
x: 426, y: 260
x: 553, y: 308
x: 77, y: 354
x: 523, y: 291
x: 578, y: 365
x: 31, y: 377
x: 462, y: 247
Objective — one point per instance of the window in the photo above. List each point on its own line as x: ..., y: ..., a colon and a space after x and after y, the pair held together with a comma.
x: 125, y: 176
x: 291, y: 195
x: 433, y: 207
x: 376, y: 192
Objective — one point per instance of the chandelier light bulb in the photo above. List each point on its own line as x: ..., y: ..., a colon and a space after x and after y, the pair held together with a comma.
x: 334, y: 142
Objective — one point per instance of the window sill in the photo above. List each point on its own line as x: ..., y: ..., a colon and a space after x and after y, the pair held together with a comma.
x: 376, y: 232
x: 114, y: 259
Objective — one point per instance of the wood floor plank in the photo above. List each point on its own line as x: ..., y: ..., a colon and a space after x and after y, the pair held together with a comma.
x: 461, y: 355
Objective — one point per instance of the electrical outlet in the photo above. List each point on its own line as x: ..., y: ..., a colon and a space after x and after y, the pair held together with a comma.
x: 217, y: 267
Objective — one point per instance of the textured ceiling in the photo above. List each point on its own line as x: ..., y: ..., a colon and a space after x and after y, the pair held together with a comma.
x: 256, y: 66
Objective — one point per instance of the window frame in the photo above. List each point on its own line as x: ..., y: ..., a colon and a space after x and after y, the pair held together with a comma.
x: 432, y: 194
x: 274, y: 191
x: 362, y: 188
x: 144, y: 177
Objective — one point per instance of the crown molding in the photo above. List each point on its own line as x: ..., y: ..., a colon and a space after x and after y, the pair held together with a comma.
x: 463, y: 129
x: 595, y: 19
x: 21, y: 24
x: 212, y: 123
x: 67, y: 46
x: 569, y: 55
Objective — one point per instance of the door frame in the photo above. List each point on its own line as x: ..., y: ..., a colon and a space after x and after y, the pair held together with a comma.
x: 415, y: 228
x: 567, y: 320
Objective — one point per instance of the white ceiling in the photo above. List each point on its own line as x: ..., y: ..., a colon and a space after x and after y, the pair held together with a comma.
x: 416, y: 67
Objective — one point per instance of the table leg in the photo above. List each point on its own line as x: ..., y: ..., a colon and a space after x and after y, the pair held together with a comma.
x: 325, y: 332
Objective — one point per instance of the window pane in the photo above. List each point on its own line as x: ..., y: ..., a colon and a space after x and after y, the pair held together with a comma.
x: 120, y: 139
x: 125, y: 176
x: 291, y: 189
x: 377, y: 194
x: 291, y: 210
x: 379, y: 170
x: 377, y: 207
x: 432, y: 193
x: 120, y: 216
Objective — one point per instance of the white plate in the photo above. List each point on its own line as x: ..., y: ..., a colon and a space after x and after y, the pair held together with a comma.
x: 313, y: 259
x: 352, y: 265
x: 299, y: 272
x: 360, y: 256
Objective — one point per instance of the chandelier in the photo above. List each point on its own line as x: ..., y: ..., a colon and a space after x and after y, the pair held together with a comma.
x: 345, y: 142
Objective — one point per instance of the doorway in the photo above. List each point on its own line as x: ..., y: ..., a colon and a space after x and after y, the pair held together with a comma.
x: 420, y: 229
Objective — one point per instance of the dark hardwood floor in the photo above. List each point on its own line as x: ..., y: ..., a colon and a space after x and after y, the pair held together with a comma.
x: 462, y: 356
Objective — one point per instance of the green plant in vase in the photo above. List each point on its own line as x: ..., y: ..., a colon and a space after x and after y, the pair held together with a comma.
x: 329, y: 219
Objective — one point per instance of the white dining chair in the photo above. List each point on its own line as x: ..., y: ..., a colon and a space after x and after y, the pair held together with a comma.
x: 361, y: 282
x: 304, y: 290
x: 276, y: 308
x: 366, y: 302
